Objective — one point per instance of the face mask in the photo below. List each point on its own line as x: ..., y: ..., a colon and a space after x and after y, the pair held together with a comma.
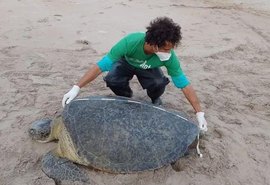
x: 163, y: 56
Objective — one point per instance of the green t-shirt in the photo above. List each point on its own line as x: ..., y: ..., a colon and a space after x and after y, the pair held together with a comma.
x: 131, y: 48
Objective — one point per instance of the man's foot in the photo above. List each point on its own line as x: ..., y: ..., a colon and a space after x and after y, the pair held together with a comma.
x: 157, y: 101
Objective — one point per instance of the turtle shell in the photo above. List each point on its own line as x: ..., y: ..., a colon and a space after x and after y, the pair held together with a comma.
x: 121, y: 135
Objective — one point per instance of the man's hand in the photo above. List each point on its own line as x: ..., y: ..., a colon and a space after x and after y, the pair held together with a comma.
x: 202, y: 121
x: 68, y: 97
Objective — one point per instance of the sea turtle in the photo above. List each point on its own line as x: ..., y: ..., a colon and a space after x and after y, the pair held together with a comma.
x: 112, y: 134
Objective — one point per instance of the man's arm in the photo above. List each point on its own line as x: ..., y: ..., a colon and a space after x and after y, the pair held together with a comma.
x: 105, y: 64
x: 192, y: 98
x: 89, y: 76
x: 182, y: 82
x: 194, y: 101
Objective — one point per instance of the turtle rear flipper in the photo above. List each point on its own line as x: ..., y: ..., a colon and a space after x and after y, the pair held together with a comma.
x: 62, y: 170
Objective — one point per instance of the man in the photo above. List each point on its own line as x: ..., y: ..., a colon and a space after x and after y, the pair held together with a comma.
x: 142, y: 54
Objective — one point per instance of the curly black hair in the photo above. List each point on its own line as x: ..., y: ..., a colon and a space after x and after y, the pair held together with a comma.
x: 163, y: 29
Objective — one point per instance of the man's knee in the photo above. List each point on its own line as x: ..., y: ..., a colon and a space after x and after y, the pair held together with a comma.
x: 112, y: 81
x: 119, y: 75
x: 119, y: 87
x: 161, y: 82
x: 158, y: 83
x: 121, y: 90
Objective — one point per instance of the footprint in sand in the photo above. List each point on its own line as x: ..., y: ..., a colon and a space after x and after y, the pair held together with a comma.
x: 218, y: 133
x: 28, y: 28
x: 58, y: 17
x: 43, y: 20
x: 83, y: 41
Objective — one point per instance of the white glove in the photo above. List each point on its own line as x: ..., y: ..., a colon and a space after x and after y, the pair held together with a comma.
x: 68, y: 97
x: 202, y: 121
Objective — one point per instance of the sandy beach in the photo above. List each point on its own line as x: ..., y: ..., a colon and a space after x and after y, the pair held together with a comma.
x: 46, y: 46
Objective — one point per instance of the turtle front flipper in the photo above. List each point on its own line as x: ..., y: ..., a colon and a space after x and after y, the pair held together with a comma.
x: 62, y: 170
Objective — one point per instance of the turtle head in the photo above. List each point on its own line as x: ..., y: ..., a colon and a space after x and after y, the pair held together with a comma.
x: 40, y: 130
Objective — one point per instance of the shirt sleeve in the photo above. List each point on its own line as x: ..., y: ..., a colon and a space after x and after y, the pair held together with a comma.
x: 173, y: 65
x: 119, y: 50
x: 175, y: 71
x: 180, y: 81
x: 105, y: 64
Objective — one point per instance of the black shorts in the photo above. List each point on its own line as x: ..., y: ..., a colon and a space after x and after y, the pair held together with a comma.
x: 153, y: 80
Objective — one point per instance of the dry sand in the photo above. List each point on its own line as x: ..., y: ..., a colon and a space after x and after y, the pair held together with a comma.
x: 46, y: 46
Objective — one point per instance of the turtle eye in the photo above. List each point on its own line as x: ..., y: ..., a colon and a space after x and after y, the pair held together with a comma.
x: 31, y: 131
